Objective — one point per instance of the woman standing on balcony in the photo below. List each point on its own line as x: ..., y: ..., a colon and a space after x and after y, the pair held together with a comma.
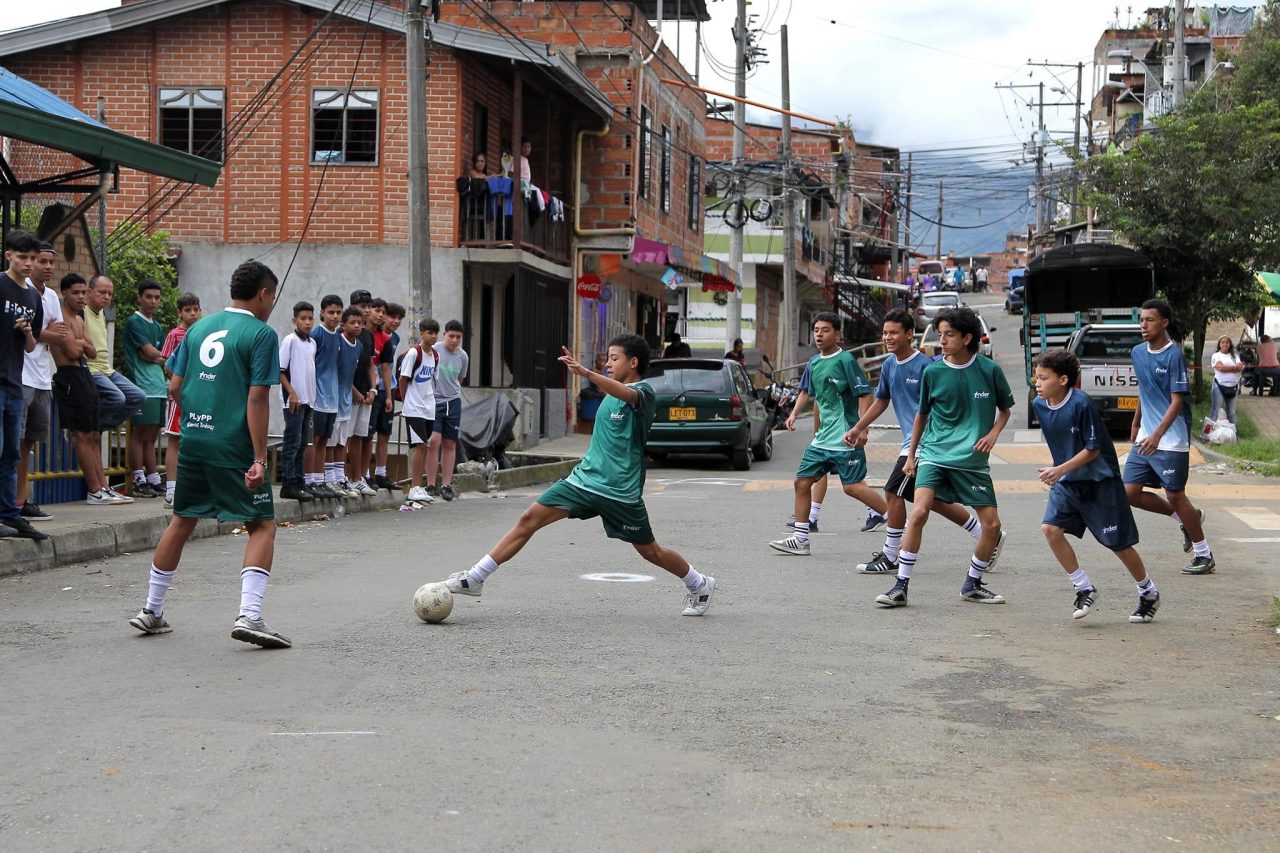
x: 479, y: 164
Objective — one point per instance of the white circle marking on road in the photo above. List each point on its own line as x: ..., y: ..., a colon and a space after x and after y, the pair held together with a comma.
x: 616, y: 577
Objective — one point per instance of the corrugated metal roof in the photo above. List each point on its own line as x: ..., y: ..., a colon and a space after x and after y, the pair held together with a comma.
x: 24, y: 93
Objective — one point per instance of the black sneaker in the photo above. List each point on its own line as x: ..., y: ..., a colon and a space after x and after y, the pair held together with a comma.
x: 292, y: 491
x: 896, y: 597
x: 1086, y: 600
x: 382, y: 481
x: 874, y: 520
x: 976, y: 590
x: 1201, y: 566
x: 446, y: 492
x: 879, y: 565
x: 434, y: 491
x: 142, y: 489
x: 1186, y: 538
x: 23, y: 529
x: 813, y: 525
x: 33, y: 512
x: 1147, y: 608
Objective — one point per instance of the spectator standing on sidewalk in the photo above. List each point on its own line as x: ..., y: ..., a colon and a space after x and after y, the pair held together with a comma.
x: 189, y: 312
x: 298, y: 394
x: 23, y: 314
x: 37, y: 378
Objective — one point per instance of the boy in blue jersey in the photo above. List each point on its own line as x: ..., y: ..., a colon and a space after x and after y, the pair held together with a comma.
x: 1161, y: 434
x: 1085, y: 486
x: 965, y: 403
x: 608, y: 482
x: 321, y: 481
x: 840, y: 392
x: 900, y: 384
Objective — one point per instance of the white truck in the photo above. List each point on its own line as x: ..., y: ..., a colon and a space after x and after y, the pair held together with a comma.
x: 1106, y: 369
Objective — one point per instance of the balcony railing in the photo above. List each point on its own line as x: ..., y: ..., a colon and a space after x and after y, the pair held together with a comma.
x: 490, y: 208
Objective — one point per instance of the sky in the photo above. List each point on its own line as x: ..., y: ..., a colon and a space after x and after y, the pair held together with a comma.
x: 919, y: 75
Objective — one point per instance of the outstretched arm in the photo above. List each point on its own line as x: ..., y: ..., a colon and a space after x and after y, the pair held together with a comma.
x: 610, y: 386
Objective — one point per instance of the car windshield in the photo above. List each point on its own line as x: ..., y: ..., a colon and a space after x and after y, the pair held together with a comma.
x: 941, y: 299
x: 1108, y: 343
x: 687, y: 379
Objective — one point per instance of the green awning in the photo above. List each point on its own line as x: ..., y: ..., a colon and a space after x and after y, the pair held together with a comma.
x: 103, y: 147
x: 1271, y: 280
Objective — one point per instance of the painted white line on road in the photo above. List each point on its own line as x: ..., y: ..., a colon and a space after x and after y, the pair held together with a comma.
x: 616, y: 577
x: 1261, y: 540
x: 320, y: 734
x: 1257, y: 517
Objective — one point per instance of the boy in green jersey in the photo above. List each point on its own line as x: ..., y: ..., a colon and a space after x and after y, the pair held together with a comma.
x: 223, y: 372
x: 608, y: 482
x: 965, y: 402
x: 143, y: 340
x: 840, y: 391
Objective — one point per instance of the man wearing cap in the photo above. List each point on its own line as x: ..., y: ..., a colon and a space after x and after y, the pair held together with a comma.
x: 37, y: 377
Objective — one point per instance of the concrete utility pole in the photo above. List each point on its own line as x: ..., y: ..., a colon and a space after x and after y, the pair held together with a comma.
x: 1179, y: 53
x: 939, y: 246
x: 733, y: 323
x: 789, y: 307
x: 1075, y: 146
x: 1040, y: 167
x: 102, y: 202
x: 419, y: 198
x: 894, y: 259
x: 907, y: 230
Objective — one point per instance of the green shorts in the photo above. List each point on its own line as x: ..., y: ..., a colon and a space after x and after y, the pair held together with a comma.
x: 628, y: 522
x: 956, y: 486
x: 211, y: 491
x: 151, y: 413
x: 850, y: 464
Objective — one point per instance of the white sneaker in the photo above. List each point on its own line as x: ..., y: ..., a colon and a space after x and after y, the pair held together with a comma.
x: 100, y: 498
x: 347, y: 489
x: 123, y: 499
x: 791, y: 545
x: 460, y: 583
x: 149, y: 623
x: 420, y: 495
x: 363, y: 488
x: 696, y: 603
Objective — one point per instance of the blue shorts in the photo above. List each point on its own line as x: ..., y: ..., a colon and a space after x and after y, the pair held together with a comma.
x: 1098, y: 505
x: 322, y: 424
x: 1164, y: 469
x: 850, y: 464
x: 449, y: 418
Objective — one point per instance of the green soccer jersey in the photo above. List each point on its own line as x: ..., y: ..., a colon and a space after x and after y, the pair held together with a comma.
x: 835, y: 383
x: 138, y: 332
x: 222, y: 356
x: 613, y: 466
x: 959, y: 404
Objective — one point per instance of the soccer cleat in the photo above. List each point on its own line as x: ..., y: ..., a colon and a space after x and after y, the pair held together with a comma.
x: 24, y: 529
x: 250, y: 630
x: 813, y: 525
x: 1201, y: 566
x: 995, y: 553
x: 447, y: 493
x: 382, y: 481
x: 364, y: 489
x: 419, y: 495
x: 879, y: 565
x: 874, y: 520
x: 1146, y: 610
x: 791, y: 545
x: 1086, y: 600
x: 33, y: 512
x: 696, y: 603
x: 1187, y: 545
x: 461, y: 583
x: 896, y: 597
x: 149, y: 623
x: 976, y: 590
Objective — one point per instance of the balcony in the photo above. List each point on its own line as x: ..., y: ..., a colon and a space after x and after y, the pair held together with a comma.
x: 497, y: 215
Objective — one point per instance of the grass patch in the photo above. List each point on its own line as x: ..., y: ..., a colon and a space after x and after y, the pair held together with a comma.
x: 1251, y: 447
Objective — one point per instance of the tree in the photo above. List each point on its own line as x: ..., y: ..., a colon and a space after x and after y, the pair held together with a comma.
x: 141, y: 255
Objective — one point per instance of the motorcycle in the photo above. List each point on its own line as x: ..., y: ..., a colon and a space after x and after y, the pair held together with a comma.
x: 781, y: 399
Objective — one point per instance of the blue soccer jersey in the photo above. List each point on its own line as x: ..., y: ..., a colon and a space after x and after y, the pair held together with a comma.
x: 1074, y: 425
x: 1161, y: 374
x: 348, y: 358
x: 326, y: 369
x: 900, y: 382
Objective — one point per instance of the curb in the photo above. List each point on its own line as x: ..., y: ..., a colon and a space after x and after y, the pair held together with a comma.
x: 1217, y: 456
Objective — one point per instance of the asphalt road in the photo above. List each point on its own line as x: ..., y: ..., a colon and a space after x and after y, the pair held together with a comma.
x: 559, y: 713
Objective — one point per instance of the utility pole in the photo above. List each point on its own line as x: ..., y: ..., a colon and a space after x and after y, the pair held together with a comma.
x: 1075, y: 145
x: 102, y: 201
x: 894, y: 249
x: 733, y: 324
x: 789, y: 312
x: 419, y: 198
x: 1040, y: 167
x: 938, y: 255
x: 907, y: 229
x: 1179, y: 53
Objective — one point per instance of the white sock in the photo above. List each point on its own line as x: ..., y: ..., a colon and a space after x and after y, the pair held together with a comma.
x: 892, y: 542
x: 977, y: 567
x: 153, y: 478
x: 694, y: 580
x: 253, y: 585
x: 973, y: 527
x: 483, y: 569
x: 1080, y: 580
x: 156, y: 588
x: 331, y: 473
x: 170, y: 486
x: 1147, y: 588
x: 814, y: 509
x: 380, y: 471
x: 906, y: 563
x: 139, y: 476
x: 1201, y: 548
x: 802, y: 531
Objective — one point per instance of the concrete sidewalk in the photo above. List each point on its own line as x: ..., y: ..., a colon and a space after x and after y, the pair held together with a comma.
x: 79, y: 533
x: 1265, y: 412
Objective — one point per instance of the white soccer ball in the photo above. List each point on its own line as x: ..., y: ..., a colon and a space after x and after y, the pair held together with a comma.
x: 433, y: 602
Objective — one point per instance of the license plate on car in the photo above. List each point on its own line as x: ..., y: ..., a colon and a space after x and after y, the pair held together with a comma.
x: 1128, y: 403
x: 682, y: 414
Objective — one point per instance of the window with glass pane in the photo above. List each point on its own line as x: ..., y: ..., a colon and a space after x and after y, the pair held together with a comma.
x: 695, y: 192
x: 191, y: 120
x: 344, y: 126
x: 665, y: 195
x: 646, y: 151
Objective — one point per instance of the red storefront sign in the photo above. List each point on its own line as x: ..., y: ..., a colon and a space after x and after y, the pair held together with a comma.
x: 713, y: 283
x: 589, y: 286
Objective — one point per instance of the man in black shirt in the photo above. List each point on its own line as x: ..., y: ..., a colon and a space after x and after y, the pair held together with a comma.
x: 362, y: 402
x: 22, y: 314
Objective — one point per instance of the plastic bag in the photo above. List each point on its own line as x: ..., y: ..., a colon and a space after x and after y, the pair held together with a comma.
x: 1221, y: 431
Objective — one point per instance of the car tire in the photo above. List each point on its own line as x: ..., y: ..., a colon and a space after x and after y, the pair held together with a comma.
x: 658, y: 455
x: 741, y: 459
x: 763, y: 451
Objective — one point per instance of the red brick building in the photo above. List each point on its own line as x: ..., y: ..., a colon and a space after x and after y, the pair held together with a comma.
x: 314, y: 108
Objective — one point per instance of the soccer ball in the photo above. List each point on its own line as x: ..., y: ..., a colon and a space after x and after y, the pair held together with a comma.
x: 433, y: 602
